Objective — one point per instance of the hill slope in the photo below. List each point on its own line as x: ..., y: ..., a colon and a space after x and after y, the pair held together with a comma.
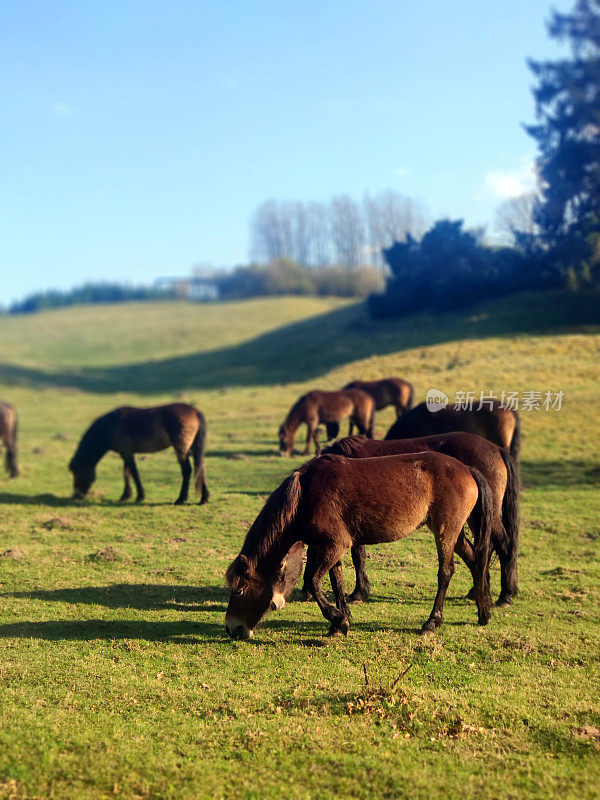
x: 117, y: 676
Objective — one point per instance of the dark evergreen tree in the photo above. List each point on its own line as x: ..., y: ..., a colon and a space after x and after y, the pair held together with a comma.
x: 567, y: 97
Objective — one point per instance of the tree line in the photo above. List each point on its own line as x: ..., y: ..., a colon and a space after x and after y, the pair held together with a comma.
x: 87, y: 293
x: 341, y: 232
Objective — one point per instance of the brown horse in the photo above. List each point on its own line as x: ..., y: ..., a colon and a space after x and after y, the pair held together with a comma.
x: 8, y: 434
x: 330, y: 408
x: 333, y: 503
x: 387, y: 392
x: 128, y: 430
x: 500, y: 425
x: 495, y: 464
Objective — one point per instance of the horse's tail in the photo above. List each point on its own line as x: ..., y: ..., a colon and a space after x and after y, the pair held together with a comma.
x: 510, y: 519
x: 515, y: 442
x: 198, y: 449
x: 11, y: 448
x: 481, y: 521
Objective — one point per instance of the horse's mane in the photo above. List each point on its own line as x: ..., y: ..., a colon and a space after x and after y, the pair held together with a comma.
x: 276, y: 514
x: 93, y: 443
x: 345, y: 447
x: 293, y: 410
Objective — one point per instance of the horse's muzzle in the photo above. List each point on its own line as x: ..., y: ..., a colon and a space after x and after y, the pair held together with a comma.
x: 238, y: 631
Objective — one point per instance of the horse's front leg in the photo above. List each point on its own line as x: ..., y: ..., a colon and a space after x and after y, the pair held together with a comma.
x: 132, y: 467
x: 127, y: 488
x: 362, y: 590
x: 311, y: 431
x: 186, y: 471
x: 325, y: 560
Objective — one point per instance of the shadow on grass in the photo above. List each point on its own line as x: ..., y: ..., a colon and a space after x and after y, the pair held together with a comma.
x: 309, y: 348
x: 242, y: 455
x: 182, y: 632
x: 53, y: 500
x: 568, y: 472
x: 35, y: 500
x: 142, y: 596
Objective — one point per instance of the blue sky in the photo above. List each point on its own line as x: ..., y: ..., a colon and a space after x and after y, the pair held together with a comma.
x: 139, y: 137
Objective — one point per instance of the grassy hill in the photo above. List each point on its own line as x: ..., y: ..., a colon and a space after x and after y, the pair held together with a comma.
x: 116, y: 676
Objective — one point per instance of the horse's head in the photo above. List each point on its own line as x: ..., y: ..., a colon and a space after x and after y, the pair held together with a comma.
x: 253, y: 595
x: 83, y: 477
x: 286, y: 441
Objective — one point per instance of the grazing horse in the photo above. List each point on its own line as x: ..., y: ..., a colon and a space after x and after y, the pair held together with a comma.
x: 500, y: 425
x: 330, y: 408
x: 332, y: 503
x: 386, y: 392
x: 8, y: 434
x: 128, y: 430
x: 495, y: 464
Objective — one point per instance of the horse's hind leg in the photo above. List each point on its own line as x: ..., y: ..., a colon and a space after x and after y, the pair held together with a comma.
x: 445, y: 572
x: 186, y: 471
x: 11, y: 458
x: 362, y: 590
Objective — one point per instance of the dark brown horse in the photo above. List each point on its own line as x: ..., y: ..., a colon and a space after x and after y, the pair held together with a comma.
x: 499, y: 425
x: 8, y: 435
x: 387, y: 392
x: 495, y: 464
x: 333, y: 503
x: 128, y: 430
x: 330, y: 408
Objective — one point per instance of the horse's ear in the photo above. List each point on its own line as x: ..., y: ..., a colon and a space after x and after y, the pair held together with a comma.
x: 238, y: 569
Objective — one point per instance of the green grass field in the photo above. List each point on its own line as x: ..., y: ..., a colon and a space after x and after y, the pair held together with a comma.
x: 117, y: 678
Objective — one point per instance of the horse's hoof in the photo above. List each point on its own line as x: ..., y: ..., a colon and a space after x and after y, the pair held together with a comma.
x: 305, y: 596
x: 342, y: 626
x: 504, y: 602
x: 203, y: 501
x: 428, y: 627
x: 357, y: 597
x: 483, y: 619
x: 179, y: 502
x: 139, y: 499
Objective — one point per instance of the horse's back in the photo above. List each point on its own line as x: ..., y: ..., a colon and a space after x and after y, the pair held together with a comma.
x: 495, y: 424
x: 149, y: 430
x: 382, y: 498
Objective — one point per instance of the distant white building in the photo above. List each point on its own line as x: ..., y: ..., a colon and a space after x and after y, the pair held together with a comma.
x: 196, y: 287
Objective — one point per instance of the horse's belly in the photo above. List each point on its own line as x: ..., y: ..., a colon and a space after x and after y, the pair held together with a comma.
x: 390, y: 524
x: 152, y: 444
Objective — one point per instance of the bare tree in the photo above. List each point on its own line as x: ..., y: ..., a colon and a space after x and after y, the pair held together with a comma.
x: 515, y: 222
x: 267, y: 239
x: 318, y: 234
x: 347, y: 231
x: 390, y: 216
